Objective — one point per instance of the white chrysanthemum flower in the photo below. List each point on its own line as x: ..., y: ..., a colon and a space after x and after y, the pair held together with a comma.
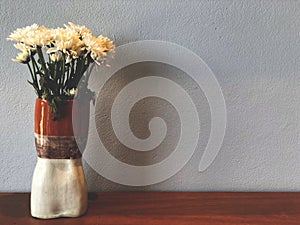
x: 20, y: 34
x: 22, y: 57
x: 71, y: 92
x: 39, y: 37
x: 32, y: 36
x: 98, y: 47
x: 66, y: 41
x: 81, y: 30
x: 55, y: 57
x: 22, y: 47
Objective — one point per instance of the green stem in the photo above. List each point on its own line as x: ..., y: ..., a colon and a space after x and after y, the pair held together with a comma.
x: 68, y: 75
x: 34, y: 65
x: 33, y: 75
x: 34, y: 84
x: 72, y: 69
x: 71, y: 75
x: 55, y: 68
x: 82, y: 68
x: 42, y: 60
x: 63, y: 61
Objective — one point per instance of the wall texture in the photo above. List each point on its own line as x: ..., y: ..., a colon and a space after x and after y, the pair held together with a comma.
x: 253, y: 49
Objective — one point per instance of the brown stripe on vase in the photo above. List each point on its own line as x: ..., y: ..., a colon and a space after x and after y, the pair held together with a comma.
x: 57, y: 147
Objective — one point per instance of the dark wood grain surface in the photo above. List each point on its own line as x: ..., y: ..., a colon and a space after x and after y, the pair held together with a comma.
x: 151, y: 208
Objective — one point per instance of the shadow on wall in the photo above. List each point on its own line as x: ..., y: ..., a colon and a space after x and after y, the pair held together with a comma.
x: 140, y: 115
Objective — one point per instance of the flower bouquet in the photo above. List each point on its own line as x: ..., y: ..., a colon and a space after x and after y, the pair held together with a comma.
x: 59, y: 58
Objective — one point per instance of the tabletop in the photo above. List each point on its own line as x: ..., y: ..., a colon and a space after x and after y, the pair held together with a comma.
x: 168, y: 208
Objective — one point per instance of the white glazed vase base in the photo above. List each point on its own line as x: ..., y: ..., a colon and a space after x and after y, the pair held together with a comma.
x: 58, y: 189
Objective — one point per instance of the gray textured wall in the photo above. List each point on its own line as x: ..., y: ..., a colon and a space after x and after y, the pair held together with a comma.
x: 253, y: 49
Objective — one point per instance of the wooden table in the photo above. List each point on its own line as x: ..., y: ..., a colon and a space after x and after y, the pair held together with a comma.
x: 151, y: 208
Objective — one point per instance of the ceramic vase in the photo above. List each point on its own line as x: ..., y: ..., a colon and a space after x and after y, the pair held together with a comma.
x: 58, y: 183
